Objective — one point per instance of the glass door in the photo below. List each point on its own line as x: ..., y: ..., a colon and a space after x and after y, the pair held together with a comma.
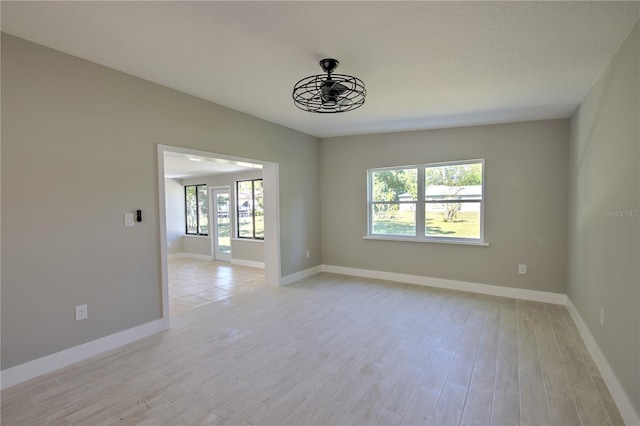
x: 221, y: 235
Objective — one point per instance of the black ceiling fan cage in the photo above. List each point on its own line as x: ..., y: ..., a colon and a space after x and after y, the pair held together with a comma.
x: 329, y: 93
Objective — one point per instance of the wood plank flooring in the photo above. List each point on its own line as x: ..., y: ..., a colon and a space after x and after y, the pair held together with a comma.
x: 335, y: 350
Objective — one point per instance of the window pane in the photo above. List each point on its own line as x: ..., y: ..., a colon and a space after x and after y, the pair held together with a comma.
x: 245, y: 209
x: 393, y: 219
x: 453, y: 182
x: 245, y: 227
x: 191, y: 209
x: 244, y: 199
x: 453, y: 220
x: 203, y: 209
x: 258, y: 209
x: 394, y: 185
x: 224, y: 226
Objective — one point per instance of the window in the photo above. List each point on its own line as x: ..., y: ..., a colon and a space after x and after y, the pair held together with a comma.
x: 394, y: 200
x: 428, y: 202
x: 250, y: 209
x: 197, y: 209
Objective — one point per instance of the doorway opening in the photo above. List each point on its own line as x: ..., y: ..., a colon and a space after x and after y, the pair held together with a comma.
x: 216, y: 240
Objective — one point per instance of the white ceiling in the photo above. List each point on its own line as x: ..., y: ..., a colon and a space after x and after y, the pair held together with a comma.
x: 183, y: 166
x: 425, y: 64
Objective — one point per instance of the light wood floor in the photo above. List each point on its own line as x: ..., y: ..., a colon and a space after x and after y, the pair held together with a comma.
x: 195, y: 282
x: 336, y: 350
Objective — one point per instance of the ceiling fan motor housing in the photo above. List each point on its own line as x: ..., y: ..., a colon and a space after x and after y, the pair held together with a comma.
x: 331, y: 91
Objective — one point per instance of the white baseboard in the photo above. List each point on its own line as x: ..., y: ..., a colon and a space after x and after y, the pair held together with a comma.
x: 29, y: 370
x: 618, y: 394
x: 297, y: 276
x: 249, y: 263
x: 189, y: 256
x: 493, y: 290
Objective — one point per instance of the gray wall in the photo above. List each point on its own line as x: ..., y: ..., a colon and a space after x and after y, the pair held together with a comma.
x: 174, y: 206
x: 525, y: 210
x: 247, y: 250
x: 604, y: 249
x: 243, y: 250
x: 78, y: 151
x: 196, y: 244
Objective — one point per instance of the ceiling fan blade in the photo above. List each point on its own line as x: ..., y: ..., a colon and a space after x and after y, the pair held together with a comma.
x: 334, y: 87
x: 340, y: 87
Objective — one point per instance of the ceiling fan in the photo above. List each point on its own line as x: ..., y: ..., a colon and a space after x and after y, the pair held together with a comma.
x: 330, y: 93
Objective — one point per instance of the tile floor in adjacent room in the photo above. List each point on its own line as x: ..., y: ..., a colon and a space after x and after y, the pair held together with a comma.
x: 333, y: 350
x: 196, y: 282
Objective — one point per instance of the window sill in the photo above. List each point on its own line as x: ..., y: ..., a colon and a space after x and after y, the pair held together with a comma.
x: 195, y: 236
x: 248, y: 240
x: 432, y: 241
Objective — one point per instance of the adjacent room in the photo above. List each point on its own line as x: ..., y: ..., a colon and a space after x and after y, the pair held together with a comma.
x: 214, y: 228
x: 320, y: 213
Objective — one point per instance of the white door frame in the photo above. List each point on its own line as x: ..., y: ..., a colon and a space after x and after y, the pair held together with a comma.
x: 271, y: 186
x: 215, y: 255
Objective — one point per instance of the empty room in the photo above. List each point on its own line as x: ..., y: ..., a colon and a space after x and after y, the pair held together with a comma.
x: 320, y: 213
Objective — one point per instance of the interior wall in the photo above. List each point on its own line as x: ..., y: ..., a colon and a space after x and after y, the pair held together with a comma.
x: 525, y: 203
x: 196, y: 244
x: 79, y: 143
x: 604, y: 227
x: 251, y: 250
x: 240, y: 250
x: 175, y: 208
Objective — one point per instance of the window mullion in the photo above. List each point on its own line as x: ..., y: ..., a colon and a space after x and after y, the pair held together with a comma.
x: 186, y: 211
x: 420, y: 213
x: 253, y: 207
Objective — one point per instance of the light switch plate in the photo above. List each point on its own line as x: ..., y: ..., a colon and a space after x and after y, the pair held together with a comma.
x: 128, y: 219
x: 82, y: 312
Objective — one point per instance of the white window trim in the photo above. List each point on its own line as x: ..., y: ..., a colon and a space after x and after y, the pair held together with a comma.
x: 247, y: 240
x: 420, y: 209
x: 432, y: 240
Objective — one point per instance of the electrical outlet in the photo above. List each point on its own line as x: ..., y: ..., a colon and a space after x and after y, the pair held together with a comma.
x: 601, y: 317
x: 522, y: 269
x: 307, y: 254
x: 81, y: 312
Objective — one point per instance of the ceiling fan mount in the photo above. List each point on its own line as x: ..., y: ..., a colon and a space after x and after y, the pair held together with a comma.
x: 329, y: 64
